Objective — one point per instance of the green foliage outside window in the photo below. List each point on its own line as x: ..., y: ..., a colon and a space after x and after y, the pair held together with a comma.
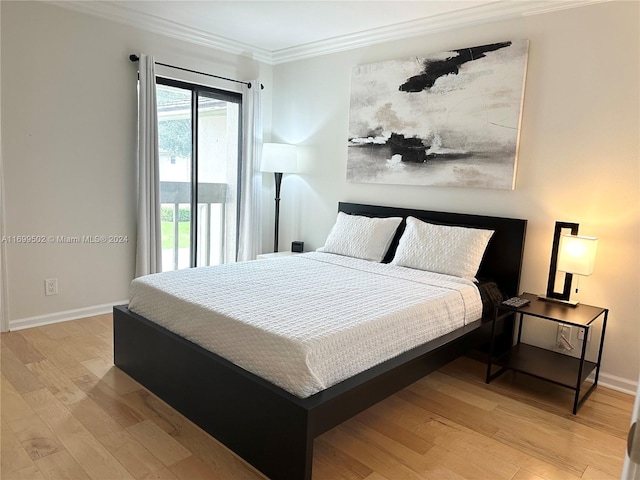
x: 166, y: 214
x: 174, y: 134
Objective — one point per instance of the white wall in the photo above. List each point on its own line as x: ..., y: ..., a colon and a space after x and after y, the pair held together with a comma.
x: 4, y: 313
x: 69, y: 92
x: 578, y: 160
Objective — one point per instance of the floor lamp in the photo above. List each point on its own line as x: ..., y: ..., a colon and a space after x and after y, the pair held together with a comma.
x: 278, y: 158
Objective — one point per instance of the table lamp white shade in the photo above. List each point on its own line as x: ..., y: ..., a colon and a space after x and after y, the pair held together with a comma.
x: 577, y: 254
x: 279, y: 158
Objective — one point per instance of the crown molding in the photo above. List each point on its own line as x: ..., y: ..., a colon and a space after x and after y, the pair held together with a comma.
x: 491, y: 12
x: 119, y: 13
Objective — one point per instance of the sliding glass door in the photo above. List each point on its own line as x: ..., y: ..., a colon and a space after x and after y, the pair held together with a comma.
x: 199, y: 139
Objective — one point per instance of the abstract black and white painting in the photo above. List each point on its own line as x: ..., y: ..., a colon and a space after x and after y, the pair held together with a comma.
x: 448, y: 119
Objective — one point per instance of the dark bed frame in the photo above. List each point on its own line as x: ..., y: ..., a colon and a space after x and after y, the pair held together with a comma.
x: 267, y: 426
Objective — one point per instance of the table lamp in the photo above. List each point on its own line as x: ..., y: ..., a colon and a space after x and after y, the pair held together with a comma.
x: 278, y: 158
x: 573, y: 254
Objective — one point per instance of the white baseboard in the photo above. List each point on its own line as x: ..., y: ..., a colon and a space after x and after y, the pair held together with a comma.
x: 618, y: 383
x: 40, y: 320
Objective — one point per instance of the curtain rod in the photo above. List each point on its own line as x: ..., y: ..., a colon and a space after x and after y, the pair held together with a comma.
x: 135, y: 58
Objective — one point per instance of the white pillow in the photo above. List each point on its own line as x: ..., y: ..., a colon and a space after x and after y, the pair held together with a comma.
x: 361, y: 237
x: 455, y: 251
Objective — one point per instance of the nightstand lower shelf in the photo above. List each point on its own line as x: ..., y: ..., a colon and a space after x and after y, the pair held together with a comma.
x: 545, y: 364
x: 563, y: 370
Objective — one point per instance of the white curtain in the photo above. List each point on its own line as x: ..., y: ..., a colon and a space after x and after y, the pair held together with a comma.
x: 149, y: 246
x: 250, y: 229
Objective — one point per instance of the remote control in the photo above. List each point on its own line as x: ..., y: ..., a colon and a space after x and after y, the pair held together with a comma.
x: 516, y: 302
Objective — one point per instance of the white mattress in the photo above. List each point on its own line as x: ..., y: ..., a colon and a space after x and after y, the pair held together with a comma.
x: 306, y: 322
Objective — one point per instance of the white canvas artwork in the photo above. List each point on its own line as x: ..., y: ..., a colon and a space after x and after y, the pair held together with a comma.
x: 447, y: 119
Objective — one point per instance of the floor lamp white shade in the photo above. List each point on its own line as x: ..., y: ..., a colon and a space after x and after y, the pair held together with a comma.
x: 278, y: 158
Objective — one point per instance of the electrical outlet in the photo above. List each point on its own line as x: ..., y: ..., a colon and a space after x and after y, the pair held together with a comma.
x: 51, y: 286
x: 581, y: 334
x: 563, y: 330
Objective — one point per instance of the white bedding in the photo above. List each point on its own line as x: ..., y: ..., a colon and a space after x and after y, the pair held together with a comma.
x: 306, y: 322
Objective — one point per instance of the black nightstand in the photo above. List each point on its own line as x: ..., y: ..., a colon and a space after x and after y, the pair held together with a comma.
x: 560, y: 369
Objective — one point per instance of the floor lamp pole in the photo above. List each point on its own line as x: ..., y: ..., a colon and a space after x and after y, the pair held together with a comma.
x: 278, y: 178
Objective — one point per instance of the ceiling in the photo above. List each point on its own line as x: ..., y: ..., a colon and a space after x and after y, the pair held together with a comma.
x: 281, y: 31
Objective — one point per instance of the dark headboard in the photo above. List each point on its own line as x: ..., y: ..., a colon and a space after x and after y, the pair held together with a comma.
x: 502, y: 261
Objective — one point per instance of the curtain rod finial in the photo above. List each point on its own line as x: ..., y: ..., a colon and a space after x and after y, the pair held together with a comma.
x: 133, y: 57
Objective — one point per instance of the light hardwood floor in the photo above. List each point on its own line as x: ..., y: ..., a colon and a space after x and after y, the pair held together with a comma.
x: 68, y: 413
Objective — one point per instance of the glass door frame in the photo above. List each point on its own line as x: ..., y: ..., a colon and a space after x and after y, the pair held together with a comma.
x: 232, y: 97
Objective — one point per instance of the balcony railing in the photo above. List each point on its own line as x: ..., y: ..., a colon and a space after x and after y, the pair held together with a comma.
x: 210, y: 233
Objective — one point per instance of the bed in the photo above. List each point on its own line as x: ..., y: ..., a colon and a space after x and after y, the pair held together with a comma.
x: 273, y: 426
